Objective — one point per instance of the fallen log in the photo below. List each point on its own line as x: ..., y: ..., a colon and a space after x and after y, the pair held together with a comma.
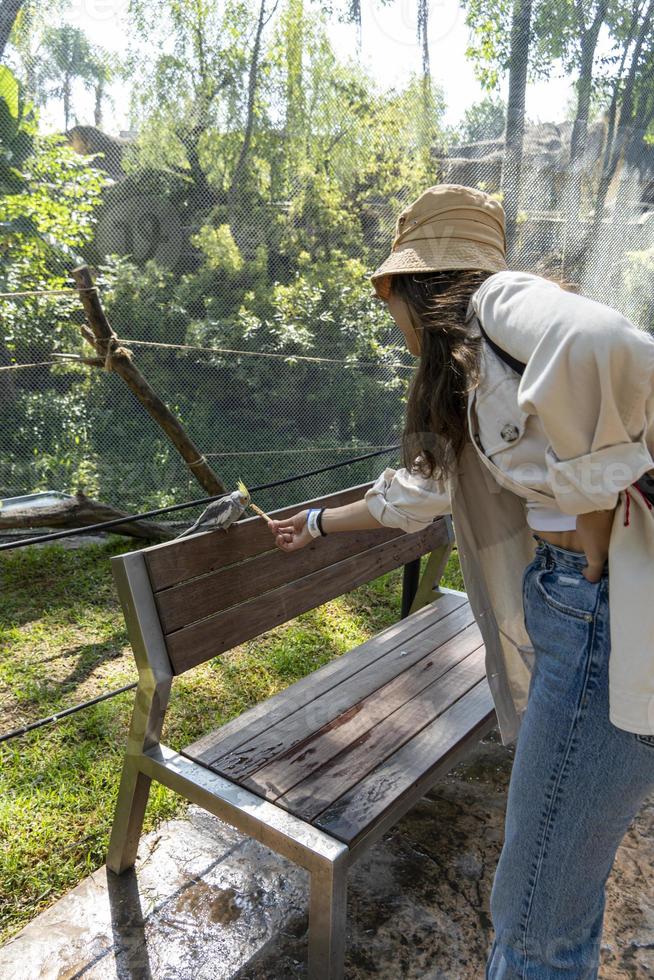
x: 80, y: 511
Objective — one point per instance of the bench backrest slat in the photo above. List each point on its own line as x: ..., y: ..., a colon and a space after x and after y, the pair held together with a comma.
x: 198, y: 597
x: 200, y: 641
x: 174, y: 561
x: 217, y: 589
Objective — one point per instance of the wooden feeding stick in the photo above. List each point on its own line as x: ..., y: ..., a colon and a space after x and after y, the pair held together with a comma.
x: 246, y: 493
x: 261, y: 512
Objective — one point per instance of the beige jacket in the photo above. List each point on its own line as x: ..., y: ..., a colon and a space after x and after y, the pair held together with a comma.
x: 589, y: 381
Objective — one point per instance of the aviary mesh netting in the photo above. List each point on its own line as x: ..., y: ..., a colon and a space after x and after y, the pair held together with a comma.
x: 231, y: 173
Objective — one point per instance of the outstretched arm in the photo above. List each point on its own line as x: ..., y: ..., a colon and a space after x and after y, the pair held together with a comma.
x: 397, y: 498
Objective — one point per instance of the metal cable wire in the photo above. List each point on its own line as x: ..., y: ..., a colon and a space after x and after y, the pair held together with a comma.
x: 50, y: 292
x: 351, y: 362
x: 18, y: 367
x: 294, y: 452
x: 69, y: 532
x: 24, y: 729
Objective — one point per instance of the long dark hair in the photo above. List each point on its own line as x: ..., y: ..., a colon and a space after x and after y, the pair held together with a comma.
x: 435, y: 429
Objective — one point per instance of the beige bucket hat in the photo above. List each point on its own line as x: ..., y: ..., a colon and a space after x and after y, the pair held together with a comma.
x: 450, y: 226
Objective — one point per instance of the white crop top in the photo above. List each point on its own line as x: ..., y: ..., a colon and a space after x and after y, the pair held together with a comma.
x: 542, y: 518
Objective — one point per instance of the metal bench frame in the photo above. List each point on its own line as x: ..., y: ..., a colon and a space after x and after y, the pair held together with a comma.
x: 325, y: 858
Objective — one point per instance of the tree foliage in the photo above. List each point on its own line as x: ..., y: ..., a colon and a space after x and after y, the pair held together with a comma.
x: 259, y: 193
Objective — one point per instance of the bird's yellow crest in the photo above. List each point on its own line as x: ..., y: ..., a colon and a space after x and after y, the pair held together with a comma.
x: 244, y: 491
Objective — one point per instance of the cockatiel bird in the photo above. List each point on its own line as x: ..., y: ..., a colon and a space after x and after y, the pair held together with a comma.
x: 222, y: 513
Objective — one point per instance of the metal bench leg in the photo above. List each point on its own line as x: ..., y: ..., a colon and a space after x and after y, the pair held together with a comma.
x: 428, y: 587
x: 145, y: 728
x: 327, y: 919
x: 128, y: 820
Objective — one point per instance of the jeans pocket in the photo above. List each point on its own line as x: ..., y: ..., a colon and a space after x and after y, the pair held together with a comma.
x: 568, y: 591
x: 526, y: 584
x: 529, y: 568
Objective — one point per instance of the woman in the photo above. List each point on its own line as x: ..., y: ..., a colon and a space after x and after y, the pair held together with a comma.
x: 531, y: 420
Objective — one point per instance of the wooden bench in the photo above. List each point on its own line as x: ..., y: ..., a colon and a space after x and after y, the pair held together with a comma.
x: 321, y: 770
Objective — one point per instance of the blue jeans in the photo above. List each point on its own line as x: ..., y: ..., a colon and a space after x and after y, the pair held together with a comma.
x: 577, y: 783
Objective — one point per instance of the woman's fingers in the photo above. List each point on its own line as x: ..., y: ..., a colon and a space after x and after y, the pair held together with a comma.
x: 281, y: 528
x: 287, y: 540
x: 288, y: 524
x: 290, y: 533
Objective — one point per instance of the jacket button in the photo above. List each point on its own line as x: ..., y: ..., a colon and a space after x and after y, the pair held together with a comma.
x: 509, y: 432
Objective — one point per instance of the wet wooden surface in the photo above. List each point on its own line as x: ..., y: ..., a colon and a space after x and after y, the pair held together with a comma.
x: 267, y: 713
x: 340, y: 748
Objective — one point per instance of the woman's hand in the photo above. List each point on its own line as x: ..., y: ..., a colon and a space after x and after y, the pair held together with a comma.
x: 291, y: 533
x: 594, y: 533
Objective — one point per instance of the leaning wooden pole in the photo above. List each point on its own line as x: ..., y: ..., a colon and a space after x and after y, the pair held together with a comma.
x: 113, y: 357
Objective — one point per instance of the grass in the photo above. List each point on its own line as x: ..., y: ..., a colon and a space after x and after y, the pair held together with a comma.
x: 63, y: 641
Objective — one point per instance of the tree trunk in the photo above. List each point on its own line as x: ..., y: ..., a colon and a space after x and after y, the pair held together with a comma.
x: 573, y: 238
x: 626, y: 115
x: 66, y: 102
x: 634, y: 134
x: 295, y: 104
x: 515, y: 120
x: 99, y: 96
x: 116, y: 358
x: 423, y: 39
x: 239, y: 169
x: 9, y: 10
x: 354, y: 16
x: 605, y: 177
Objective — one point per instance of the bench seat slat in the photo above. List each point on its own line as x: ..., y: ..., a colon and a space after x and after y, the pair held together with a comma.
x: 282, y: 739
x: 350, y: 743
x: 266, y: 713
x: 371, y: 750
x: 206, y: 639
x: 419, y: 760
x: 345, y: 756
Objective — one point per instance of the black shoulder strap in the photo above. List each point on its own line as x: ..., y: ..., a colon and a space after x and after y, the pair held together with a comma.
x: 502, y: 354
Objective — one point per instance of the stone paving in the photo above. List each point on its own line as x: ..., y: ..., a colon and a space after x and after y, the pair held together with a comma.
x: 204, y: 903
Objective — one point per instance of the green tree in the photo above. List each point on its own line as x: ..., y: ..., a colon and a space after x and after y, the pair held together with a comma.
x: 47, y: 217
x: 17, y: 129
x: 501, y: 44
x: 68, y: 56
x: 631, y: 107
x: 9, y: 12
x: 192, y: 92
x: 100, y: 72
x: 484, y: 120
